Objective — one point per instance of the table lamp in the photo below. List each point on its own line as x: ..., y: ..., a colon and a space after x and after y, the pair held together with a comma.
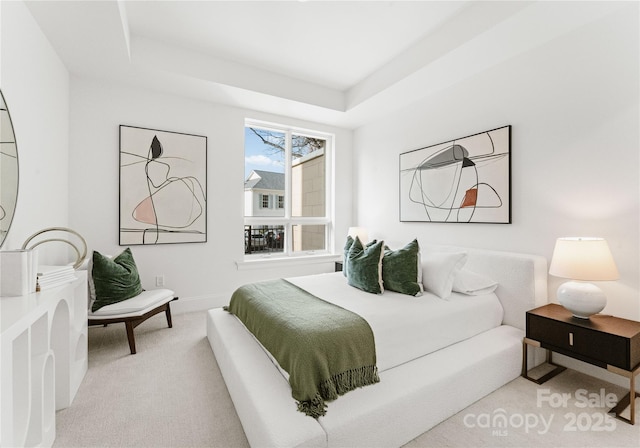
x: 360, y: 232
x: 582, y: 260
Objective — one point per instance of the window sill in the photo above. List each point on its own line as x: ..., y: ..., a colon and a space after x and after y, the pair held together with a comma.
x: 271, y: 262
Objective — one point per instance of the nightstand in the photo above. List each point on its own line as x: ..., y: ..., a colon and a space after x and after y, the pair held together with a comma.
x: 608, y: 342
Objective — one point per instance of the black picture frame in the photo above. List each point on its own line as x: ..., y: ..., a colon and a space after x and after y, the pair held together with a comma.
x: 465, y: 180
x: 163, y: 187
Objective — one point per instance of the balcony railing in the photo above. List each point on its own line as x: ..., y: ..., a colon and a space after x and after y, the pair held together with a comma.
x: 263, y: 239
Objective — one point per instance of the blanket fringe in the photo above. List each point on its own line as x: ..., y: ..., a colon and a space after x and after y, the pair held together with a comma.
x: 348, y: 380
x: 338, y: 385
x: 313, y: 408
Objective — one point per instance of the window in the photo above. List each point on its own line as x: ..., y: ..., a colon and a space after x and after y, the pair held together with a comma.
x: 286, y: 190
x: 265, y: 200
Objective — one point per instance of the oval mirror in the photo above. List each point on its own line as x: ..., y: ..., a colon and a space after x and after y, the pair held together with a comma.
x: 8, y: 170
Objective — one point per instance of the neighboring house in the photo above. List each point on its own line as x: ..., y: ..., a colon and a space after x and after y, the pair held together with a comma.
x: 264, y: 194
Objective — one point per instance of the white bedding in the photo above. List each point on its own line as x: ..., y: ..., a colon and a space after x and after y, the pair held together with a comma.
x: 407, y: 327
x: 410, y: 398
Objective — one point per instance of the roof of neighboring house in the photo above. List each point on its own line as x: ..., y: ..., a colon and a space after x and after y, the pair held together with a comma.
x: 264, y: 180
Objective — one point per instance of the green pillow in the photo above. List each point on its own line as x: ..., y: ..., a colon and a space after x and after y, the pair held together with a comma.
x: 347, y: 246
x: 115, y: 279
x: 401, y: 270
x: 364, y: 266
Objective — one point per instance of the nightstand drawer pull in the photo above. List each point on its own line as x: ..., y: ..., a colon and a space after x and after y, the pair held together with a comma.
x: 571, y: 339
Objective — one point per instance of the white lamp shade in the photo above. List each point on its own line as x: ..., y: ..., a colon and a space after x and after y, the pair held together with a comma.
x: 360, y: 232
x: 583, y: 259
x: 586, y: 259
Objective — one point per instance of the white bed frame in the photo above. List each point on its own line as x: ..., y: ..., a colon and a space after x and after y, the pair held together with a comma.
x: 411, y: 398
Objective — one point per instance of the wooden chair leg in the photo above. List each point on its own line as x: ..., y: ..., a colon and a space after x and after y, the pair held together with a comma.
x: 131, y: 337
x: 168, y: 313
x: 133, y: 321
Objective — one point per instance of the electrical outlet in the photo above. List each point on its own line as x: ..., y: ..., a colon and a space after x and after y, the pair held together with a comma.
x: 159, y: 280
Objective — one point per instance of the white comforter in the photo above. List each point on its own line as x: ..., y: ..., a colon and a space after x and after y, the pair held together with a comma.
x: 406, y: 327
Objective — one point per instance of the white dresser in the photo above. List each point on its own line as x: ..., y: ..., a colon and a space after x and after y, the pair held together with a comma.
x: 43, y: 359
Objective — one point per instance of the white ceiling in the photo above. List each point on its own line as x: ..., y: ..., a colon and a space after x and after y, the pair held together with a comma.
x: 337, y: 62
x: 334, y: 45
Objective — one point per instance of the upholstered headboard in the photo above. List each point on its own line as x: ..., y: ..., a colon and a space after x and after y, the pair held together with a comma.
x: 522, y: 278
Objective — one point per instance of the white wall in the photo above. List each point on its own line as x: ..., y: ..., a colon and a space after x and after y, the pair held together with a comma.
x: 202, y: 274
x: 67, y: 134
x: 35, y: 85
x: 573, y: 107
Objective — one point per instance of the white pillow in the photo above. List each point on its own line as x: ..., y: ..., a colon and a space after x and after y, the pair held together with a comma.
x: 87, y: 264
x: 473, y: 284
x: 439, y: 269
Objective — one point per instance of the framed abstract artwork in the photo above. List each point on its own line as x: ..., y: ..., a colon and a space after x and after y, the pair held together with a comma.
x: 466, y: 180
x: 163, y: 187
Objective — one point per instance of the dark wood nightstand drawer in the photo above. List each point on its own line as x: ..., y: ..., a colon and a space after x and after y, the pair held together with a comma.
x: 599, y: 348
x: 601, y: 340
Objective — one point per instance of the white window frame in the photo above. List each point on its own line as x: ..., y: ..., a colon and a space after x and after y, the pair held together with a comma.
x: 264, y: 196
x: 288, y: 221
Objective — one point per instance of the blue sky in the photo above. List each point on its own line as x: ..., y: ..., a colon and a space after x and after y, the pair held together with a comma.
x: 257, y: 155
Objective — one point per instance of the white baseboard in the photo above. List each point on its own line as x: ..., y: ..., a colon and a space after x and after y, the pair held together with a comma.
x: 199, y: 303
x: 591, y: 370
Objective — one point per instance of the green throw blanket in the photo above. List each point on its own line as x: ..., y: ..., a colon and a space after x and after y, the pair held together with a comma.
x: 326, y: 349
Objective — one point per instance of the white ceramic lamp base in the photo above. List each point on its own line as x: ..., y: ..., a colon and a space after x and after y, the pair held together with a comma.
x: 582, y: 299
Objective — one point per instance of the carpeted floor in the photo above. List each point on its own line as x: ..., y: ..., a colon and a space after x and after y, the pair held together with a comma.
x: 569, y: 410
x: 171, y: 394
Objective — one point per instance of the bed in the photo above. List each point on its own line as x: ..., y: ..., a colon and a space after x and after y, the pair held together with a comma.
x: 417, y: 389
